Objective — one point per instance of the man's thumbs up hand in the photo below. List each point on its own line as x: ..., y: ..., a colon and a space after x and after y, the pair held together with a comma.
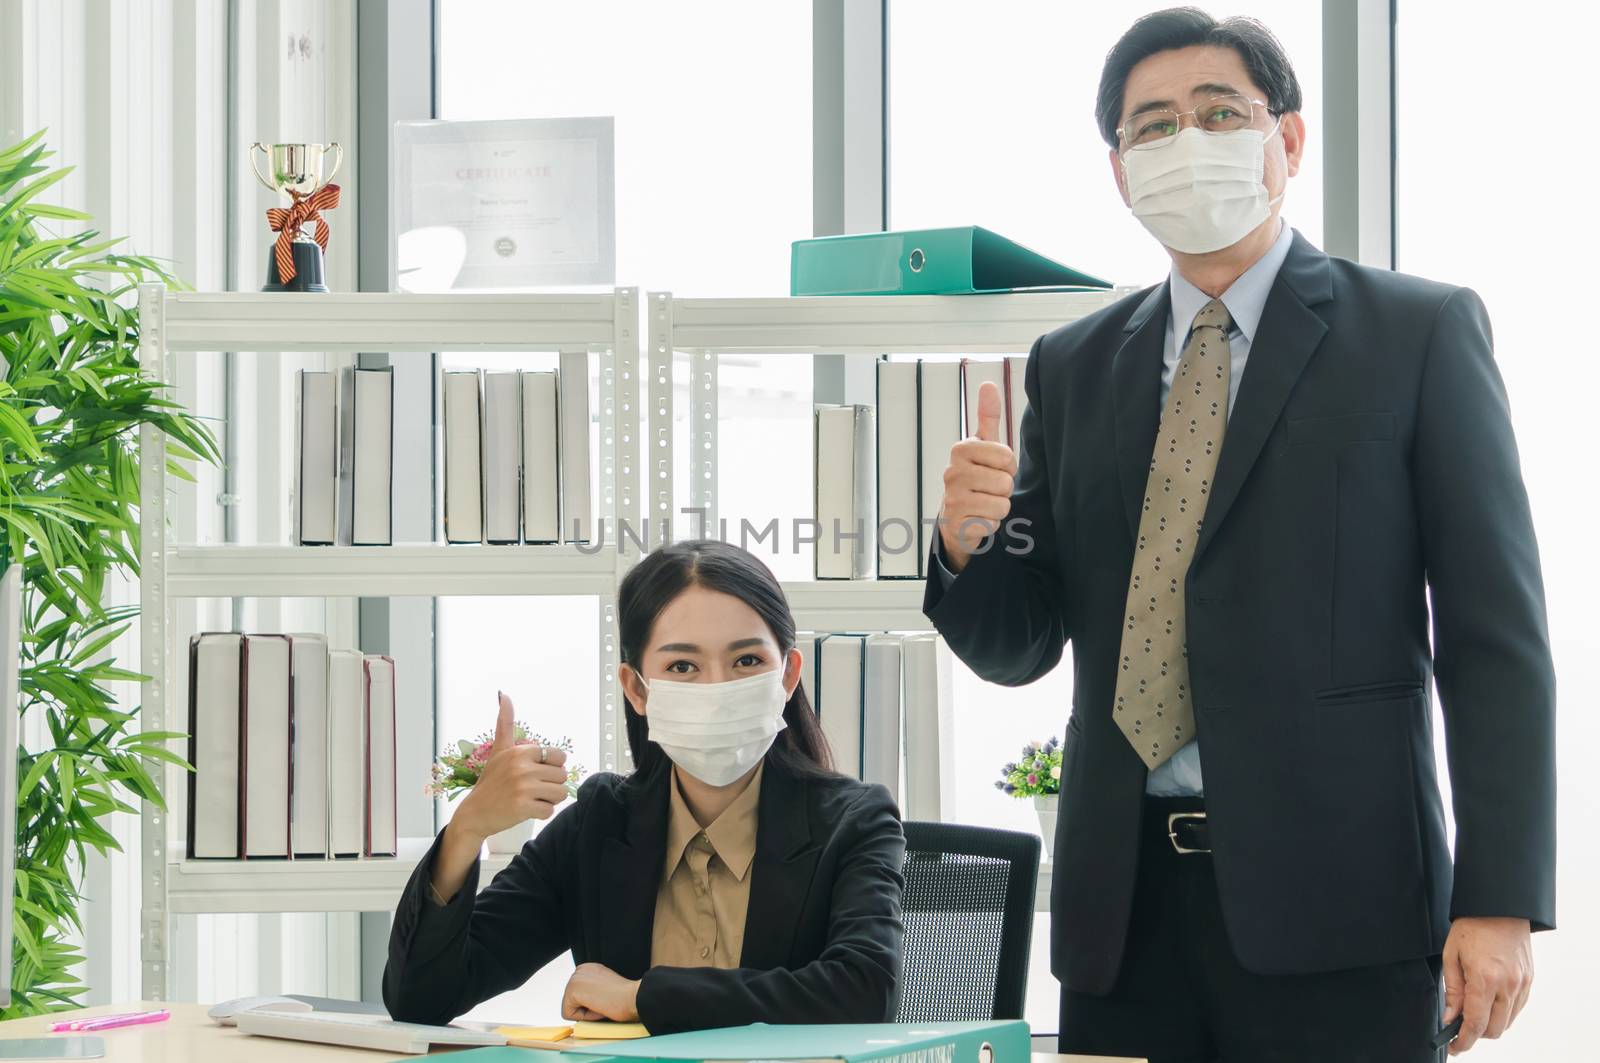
x: 977, y: 484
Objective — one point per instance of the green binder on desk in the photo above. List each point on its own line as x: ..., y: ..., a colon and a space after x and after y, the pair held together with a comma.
x: 959, y: 261
x: 937, y: 1042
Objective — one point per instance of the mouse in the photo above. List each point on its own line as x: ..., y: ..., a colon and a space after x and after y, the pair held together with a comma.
x: 223, y: 1013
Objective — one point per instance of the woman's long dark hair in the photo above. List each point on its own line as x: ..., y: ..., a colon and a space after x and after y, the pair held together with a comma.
x: 652, y: 584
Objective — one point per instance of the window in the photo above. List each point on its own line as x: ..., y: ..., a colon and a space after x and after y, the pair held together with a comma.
x: 1476, y: 173
x: 991, y: 122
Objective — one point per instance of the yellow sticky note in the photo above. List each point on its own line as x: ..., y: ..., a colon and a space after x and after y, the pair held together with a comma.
x: 609, y: 1031
x: 535, y: 1033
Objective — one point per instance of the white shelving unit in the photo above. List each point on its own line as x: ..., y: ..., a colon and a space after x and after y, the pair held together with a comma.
x: 604, y: 326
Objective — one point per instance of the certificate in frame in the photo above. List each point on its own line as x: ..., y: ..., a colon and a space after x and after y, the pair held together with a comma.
x: 517, y: 203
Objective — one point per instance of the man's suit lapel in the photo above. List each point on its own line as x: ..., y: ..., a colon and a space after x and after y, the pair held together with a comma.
x: 1285, y: 339
x: 781, y: 872
x: 631, y: 858
x: 1136, y: 393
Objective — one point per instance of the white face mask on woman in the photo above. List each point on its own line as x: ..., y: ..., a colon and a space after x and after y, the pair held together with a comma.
x: 1203, y: 191
x: 716, y: 731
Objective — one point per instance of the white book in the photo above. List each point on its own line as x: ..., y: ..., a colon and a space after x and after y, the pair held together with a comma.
x: 898, y: 510
x: 541, y: 460
x: 347, y: 752
x: 881, y: 713
x: 1016, y: 397
x: 366, y: 459
x: 215, y: 675
x: 316, y: 468
x: 377, y: 1032
x: 577, y: 513
x: 929, y: 728
x: 502, y: 457
x: 840, y: 660
x: 463, y: 457
x: 308, y: 823
x: 939, y: 413
x: 806, y: 643
x: 268, y: 712
x: 845, y: 492
x: 974, y: 372
x: 382, y: 798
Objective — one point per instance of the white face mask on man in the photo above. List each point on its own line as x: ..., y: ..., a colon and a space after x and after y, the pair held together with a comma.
x: 716, y: 731
x: 1203, y: 191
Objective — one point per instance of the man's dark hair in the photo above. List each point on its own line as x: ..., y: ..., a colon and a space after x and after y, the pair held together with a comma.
x: 1182, y: 27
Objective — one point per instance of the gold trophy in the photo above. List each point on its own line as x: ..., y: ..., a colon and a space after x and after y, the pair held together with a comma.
x: 294, y: 264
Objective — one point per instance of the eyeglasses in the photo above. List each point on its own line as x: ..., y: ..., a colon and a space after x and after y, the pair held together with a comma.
x: 1220, y: 114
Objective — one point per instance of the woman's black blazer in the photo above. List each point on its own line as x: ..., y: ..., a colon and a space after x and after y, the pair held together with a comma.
x: 822, y: 934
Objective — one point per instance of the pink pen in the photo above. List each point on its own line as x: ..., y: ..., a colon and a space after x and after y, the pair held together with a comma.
x: 112, y: 1022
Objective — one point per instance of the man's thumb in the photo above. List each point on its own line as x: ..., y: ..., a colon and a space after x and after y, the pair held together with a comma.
x: 1454, y: 988
x: 989, y: 411
x: 504, y: 727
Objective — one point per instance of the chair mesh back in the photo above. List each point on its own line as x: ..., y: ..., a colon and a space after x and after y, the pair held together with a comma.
x: 968, y: 907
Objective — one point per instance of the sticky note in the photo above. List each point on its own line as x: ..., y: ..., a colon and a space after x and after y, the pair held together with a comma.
x: 609, y: 1031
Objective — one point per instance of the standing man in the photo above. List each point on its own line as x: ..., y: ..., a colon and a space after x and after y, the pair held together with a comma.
x: 1235, y: 493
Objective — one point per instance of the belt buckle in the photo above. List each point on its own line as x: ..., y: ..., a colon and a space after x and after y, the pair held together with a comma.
x: 1172, y: 833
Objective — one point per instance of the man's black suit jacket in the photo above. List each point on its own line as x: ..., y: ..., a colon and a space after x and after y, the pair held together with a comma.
x: 1368, y: 461
x: 822, y: 934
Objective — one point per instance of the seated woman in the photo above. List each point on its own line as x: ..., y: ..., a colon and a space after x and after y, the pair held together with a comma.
x: 732, y: 878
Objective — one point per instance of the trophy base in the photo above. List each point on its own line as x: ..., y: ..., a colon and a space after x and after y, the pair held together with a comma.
x: 307, y: 269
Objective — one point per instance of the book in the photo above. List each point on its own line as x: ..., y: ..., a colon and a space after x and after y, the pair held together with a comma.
x: 931, y: 1042
x: 541, y: 459
x: 347, y: 752
x: 266, y: 779
x: 1016, y: 398
x: 577, y: 512
x: 366, y: 457
x: 882, y: 693
x: 214, y: 689
x: 806, y: 643
x: 845, y: 491
x: 502, y: 457
x: 939, y: 429
x: 899, y: 511
x: 929, y: 728
x: 382, y: 836
x: 463, y: 457
x: 974, y: 373
x: 316, y: 468
x: 308, y: 753
x: 840, y: 661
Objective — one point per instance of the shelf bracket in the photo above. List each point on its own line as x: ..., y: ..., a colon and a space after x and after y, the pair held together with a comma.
x: 153, y: 650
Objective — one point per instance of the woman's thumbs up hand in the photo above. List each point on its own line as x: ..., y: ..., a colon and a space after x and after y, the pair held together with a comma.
x: 516, y: 783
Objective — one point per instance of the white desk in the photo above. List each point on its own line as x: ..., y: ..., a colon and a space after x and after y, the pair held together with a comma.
x: 190, y: 1037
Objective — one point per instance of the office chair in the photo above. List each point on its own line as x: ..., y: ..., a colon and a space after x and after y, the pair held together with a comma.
x: 968, y: 907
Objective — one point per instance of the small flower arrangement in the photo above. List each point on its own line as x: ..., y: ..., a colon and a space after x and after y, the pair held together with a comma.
x: 459, y: 767
x: 1036, y: 774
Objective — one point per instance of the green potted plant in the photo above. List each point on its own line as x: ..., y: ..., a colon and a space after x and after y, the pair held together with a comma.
x: 1037, y: 774
x: 72, y: 400
x: 458, y: 767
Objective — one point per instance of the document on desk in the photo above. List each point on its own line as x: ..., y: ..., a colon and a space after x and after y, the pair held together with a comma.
x: 570, y: 1035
